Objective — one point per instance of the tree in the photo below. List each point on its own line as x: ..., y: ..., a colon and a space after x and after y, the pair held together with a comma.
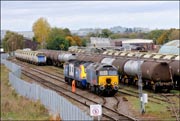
x: 54, y: 32
x: 67, y: 32
x: 71, y: 41
x: 78, y: 40
x: 155, y: 34
x: 12, y: 41
x: 163, y: 38
x: 41, y: 29
x: 58, y: 43
x: 175, y: 34
x: 56, y: 39
x: 115, y: 36
x: 106, y: 33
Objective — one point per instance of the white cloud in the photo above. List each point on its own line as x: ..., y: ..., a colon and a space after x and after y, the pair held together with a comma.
x: 153, y: 14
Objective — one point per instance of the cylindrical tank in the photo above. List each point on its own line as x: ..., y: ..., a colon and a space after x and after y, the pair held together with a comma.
x: 97, y: 58
x: 175, y: 65
x: 131, y: 67
x: 63, y: 57
x: 54, y: 55
x: 107, y: 60
x: 156, y: 71
x: 119, y: 63
x: 81, y: 57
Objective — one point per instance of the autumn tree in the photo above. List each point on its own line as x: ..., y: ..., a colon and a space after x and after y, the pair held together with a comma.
x: 12, y: 41
x: 163, y: 38
x: 71, y: 41
x: 41, y: 29
x: 78, y: 40
x: 175, y: 34
x: 56, y: 39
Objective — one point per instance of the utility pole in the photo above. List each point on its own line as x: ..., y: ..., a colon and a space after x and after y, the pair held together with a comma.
x: 142, y: 110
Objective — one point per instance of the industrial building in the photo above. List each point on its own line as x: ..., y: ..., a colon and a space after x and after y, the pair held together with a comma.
x: 172, y: 47
x: 143, y: 44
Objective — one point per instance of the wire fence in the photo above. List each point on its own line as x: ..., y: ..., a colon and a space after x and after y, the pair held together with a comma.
x: 55, y: 103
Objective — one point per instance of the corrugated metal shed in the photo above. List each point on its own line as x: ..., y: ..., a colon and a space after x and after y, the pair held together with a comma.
x: 172, y: 47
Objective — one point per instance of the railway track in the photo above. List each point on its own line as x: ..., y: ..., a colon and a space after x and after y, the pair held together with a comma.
x: 173, y: 108
x: 57, y: 84
x: 155, y: 98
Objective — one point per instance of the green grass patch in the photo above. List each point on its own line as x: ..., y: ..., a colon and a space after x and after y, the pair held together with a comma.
x: 175, y: 92
x: 16, y: 107
x: 157, y: 111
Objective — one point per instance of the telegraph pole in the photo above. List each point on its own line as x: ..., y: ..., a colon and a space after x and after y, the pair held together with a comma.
x: 142, y: 109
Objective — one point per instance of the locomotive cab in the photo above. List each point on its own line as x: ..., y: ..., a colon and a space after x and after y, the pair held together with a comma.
x: 103, y: 78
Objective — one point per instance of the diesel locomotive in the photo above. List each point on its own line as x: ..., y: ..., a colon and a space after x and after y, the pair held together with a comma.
x: 99, y: 78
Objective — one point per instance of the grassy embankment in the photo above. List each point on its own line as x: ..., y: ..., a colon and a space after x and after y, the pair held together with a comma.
x: 17, y: 107
x: 153, y: 110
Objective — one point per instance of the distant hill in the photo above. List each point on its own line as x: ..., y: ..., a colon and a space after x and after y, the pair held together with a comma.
x: 115, y: 29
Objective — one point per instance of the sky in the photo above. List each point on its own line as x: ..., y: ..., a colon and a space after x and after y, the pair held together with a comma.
x: 20, y: 15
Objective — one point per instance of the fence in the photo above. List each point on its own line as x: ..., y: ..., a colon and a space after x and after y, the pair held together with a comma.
x: 50, y: 99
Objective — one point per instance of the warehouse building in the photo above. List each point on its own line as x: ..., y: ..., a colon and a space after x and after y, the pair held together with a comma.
x: 144, y: 44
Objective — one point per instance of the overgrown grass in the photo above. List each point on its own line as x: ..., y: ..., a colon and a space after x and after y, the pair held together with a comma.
x: 177, y: 92
x: 152, y: 110
x: 15, y: 107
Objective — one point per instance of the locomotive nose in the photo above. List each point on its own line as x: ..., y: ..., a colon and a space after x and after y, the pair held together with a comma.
x: 108, y: 81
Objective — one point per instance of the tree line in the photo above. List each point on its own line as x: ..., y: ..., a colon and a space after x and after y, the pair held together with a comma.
x: 158, y: 36
x: 61, y: 38
x: 46, y: 36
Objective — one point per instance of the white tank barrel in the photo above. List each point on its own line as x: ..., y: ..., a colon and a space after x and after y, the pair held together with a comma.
x: 63, y: 57
x: 131, y: 67
x: 107, y: 60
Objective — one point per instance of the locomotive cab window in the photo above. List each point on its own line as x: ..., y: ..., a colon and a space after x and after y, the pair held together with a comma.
x: 101, y: 73
x: 112, y: 72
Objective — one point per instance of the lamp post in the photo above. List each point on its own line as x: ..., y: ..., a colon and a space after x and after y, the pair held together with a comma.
x: 142, y: 110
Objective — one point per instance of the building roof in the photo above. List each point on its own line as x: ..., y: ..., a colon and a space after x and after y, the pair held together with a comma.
x: 172, y: 47
x: 137, y: 41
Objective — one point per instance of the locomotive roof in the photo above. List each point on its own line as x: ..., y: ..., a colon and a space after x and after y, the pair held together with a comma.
x: 98, y: 66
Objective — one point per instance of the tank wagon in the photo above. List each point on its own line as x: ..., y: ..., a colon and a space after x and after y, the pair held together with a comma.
x: 99, y: 78
x: 58, y: 58
x: 155, y: 74
x: 170, y: 59
x: 34, y: 57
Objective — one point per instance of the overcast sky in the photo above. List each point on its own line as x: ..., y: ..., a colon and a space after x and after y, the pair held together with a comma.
x: 20, y: 15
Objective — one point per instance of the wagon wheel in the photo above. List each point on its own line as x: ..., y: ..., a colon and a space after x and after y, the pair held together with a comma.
x: 97, y: 90
x: 69, y: 81
x: 155, y: 89
x: 92, y: 88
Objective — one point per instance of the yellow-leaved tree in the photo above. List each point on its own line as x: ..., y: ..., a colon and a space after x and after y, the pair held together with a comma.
x: 41, y: 29
x: 72, y: 42
x: 78, y: 40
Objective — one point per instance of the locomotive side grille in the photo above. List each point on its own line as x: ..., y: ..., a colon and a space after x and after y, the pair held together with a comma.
x: 108, y: 81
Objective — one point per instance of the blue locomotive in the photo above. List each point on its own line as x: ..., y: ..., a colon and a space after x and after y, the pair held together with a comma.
x: 99, y: 78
